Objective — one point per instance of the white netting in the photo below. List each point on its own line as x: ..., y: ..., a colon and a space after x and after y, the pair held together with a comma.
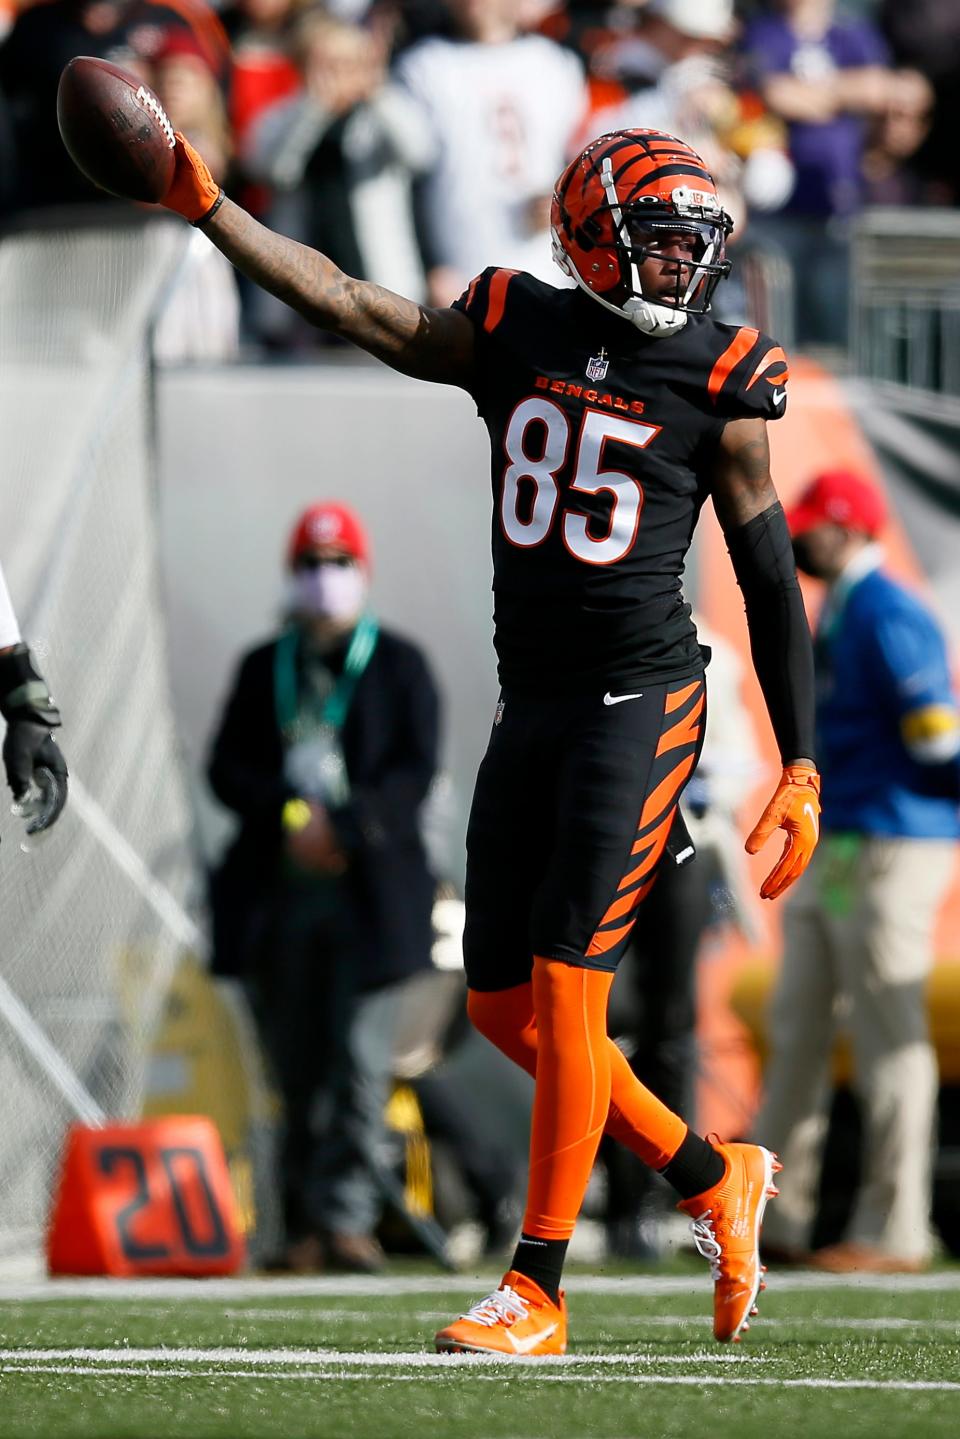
x: 91, y: 914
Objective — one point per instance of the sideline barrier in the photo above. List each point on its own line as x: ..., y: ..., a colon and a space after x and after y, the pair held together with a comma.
x: 94, y: 915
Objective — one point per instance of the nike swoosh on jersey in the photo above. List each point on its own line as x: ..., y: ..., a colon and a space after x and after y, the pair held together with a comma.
x: 524, y: 1346
x: 610, y: 699
x: 809, y: 809
x: 779, y: 396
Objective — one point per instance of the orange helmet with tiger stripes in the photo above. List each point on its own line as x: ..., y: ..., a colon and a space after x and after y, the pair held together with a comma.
x: 623, y: 197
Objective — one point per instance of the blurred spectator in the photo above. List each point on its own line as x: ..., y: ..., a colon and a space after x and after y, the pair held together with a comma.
x: 502, y: 108
x: 858, y: 934
x: 677, y: 66
x: 200, y: 321
x: 42, y: 40
x: 44, y: 37
x: 187, y: 88
x: 152, y: 20
x: 263, y: 69
x: 824, y: 76
x: 590, y: 27
x: 339, y: 157
x: 926, y: 35
x: 413, y: 20
x: 656, y: 987
x: 664, y: 33
x: 326, y: 750
x: 891, y: 173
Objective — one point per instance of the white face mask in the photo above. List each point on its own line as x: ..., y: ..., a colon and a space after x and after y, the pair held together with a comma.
x: 331, y: 592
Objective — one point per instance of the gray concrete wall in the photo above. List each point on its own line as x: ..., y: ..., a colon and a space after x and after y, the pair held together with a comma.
x: 242, y: 450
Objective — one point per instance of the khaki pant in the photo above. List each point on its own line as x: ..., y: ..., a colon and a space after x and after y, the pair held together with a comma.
x: 857, y: 952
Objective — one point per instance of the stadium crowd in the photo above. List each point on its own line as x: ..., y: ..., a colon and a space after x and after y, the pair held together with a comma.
x: 415, y: 141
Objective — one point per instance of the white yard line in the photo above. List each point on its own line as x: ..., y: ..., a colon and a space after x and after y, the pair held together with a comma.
x: 361, y: 1359
x: 623, y: 1321
x: 321, y: 1315
x: 539, y: 1376
x: 380, y: 1286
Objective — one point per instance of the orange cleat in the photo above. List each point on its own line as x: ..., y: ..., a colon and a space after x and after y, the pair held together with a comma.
x: 726, y: 1230
x: 518, y: 1318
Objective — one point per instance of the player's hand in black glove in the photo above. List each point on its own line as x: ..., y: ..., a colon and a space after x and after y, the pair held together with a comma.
x: 36, y: 770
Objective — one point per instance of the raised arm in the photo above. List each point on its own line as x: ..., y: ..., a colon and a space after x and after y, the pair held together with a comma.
x: 759, y: 543
x: 415, y: 339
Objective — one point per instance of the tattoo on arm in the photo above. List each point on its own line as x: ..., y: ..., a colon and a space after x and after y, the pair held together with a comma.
x: 742, y: 487
x: 426, y: 343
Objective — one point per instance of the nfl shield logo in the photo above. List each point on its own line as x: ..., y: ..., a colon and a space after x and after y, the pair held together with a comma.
x: 597, y: 366
x: 501, y: 706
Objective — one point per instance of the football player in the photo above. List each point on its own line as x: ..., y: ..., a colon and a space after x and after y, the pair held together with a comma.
x: 35, y: 767
x: 614, y: 409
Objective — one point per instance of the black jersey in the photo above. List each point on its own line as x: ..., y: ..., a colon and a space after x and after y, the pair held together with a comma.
x: 602, y: 445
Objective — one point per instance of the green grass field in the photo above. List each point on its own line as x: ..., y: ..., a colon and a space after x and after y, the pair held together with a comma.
x: 352, y: 1358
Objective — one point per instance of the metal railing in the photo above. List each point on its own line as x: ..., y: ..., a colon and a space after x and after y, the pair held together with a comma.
x: 768, y: 290
x: 905, y: 303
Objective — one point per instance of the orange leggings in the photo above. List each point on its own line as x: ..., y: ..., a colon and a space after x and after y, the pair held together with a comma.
x: 555, y: 1027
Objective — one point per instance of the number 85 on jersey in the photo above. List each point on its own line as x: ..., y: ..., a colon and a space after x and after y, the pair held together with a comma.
x: 537, y: 443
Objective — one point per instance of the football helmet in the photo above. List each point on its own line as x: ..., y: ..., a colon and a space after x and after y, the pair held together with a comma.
x: 615, y: 204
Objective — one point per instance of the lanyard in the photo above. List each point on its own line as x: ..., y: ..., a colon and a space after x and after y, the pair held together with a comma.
x: 363, y: 642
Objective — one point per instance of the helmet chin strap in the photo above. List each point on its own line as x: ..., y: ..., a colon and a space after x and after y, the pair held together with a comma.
x: 657, y: 321
x: 654, y: 320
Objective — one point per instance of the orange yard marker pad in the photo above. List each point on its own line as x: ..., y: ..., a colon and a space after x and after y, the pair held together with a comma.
x: 149, y: 1198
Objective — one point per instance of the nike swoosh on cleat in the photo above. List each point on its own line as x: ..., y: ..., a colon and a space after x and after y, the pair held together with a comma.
x: 610, y: 699
x: 524, y: 1346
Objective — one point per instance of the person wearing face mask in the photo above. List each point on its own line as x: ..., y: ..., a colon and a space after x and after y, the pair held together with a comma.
x: 858, y: 933
x: 326, y: 750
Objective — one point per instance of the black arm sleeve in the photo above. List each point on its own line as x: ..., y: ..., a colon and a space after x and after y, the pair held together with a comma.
x: 779, y: 634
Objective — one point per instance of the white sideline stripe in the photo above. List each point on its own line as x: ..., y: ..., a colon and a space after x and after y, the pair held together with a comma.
x: 385, y: 1287
x: 629, y: 1322
x: 639, y: 1380
x: 363, y: 1359
x: 625, y: 1321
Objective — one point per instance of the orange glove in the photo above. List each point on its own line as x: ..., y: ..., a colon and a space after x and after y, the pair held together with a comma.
x: 193, y: 193
x: 796, y: 808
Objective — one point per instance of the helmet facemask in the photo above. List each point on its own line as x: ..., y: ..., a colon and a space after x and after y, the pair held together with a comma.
x: 694, y: 278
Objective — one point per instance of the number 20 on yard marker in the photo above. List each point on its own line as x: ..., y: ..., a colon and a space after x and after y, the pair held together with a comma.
x: 149, y: 1198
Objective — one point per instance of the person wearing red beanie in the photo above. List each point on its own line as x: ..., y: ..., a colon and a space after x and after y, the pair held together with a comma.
x: 858, y: 929
x: 326, y: 749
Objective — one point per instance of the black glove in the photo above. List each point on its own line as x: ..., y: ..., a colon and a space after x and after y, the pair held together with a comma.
x: 31, y: 756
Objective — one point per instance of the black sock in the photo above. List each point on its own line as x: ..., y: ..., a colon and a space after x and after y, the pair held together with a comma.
x: 542, y: 1261
x: 696, y: 1166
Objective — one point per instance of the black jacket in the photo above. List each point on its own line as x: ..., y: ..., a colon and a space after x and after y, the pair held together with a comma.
x: 390, y: 740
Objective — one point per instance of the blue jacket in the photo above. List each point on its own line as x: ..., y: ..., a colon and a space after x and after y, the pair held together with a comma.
x: 881, y: 661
